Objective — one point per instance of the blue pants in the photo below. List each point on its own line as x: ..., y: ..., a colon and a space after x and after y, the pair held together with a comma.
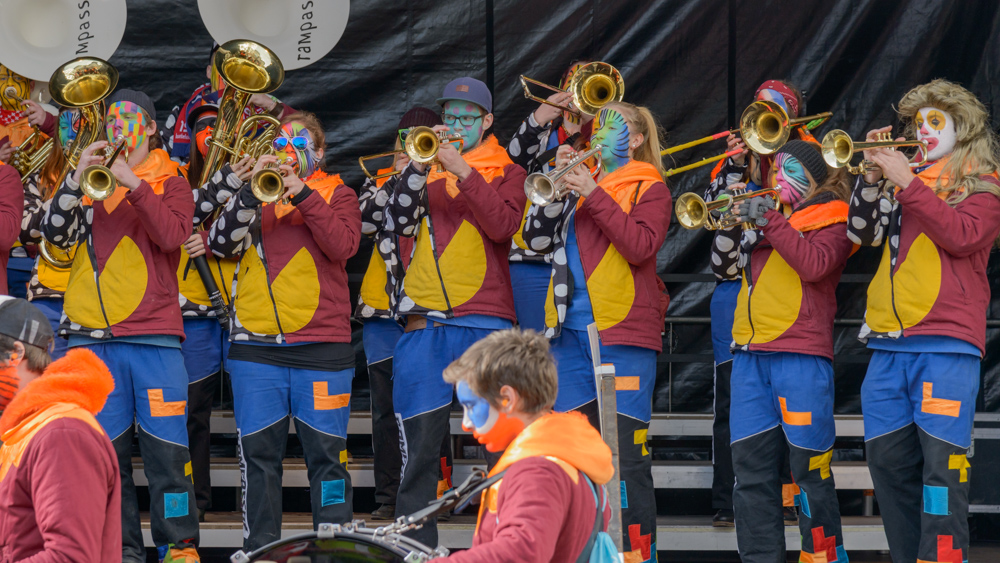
x: 779, y: 396
x: 151, y: 388
x: 53, y: 308
x: 18, y: 276
x: 205, y: 347
x: 530, y: 281
x: 919, y: 410
x: 266, y: 397
x: 635, y: 373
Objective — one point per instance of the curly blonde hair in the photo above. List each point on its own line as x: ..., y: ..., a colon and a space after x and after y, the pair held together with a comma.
x: 976, y: 145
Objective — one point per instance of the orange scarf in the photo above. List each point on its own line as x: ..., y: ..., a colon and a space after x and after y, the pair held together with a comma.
x: 621, y: 184
x: 568, y: 437
x: 934, y: 172
x: 155, y: 170
x: 320, y: 182
x: 817, y: 216
x: 488, y: 158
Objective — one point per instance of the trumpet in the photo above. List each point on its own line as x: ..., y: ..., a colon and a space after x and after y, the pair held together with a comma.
x: 593, y: 86
x: 838, y: 149
x: 268, y: 184
x: 693, y: 212
x: 97, y: 181
x: 422, y: 144
x: 541, y: 188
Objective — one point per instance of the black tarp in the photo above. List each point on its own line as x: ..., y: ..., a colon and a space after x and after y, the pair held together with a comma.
x: 695, y: 63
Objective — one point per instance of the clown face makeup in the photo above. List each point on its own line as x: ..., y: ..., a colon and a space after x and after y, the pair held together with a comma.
x: 564, y: 85
x: 937, y: 127
x: 768, y: 95
x: 12, y: 87
x: 290, y: 145
x: 465, y: 119
x: 491, y: 428
x: 69, y: 126
x: 128, y: 120
x: 791, y: 178
x: 611, y: 130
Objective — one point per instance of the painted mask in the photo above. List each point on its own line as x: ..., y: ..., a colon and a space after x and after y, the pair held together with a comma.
x: 13, y: 83
x: 564, y: 84
x: 203, y: 131
x: 69, y: 126
x: 128, y: 120
x: 465, y: 119
x: 937, y: 127
x: 611, y: 130
x: 296, y: 143
x: 775, y: 96
x: 490, y: 427
x: 790, y: 176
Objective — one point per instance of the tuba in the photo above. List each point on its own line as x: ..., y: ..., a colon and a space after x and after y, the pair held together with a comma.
x: 593, y: 86
x: 84, y: 83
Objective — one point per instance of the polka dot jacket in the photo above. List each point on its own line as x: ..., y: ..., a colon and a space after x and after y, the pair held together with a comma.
x: 383, y: 281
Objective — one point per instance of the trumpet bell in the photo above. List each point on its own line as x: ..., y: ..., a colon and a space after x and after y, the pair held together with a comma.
x: 838, y: 148
x: 764, y: 127
x: 691, y: 211
x: 267, y: 185
x: 540, y: 189
x: 82, y: 82
x: 422, y: 144
x: 595, y: 85
x: 59, y: 258
x: 97, y: 182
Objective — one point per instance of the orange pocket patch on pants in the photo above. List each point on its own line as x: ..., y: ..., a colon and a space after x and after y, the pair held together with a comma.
x: 944, y: 407
x: 323, y: 401
x: 159, y: 407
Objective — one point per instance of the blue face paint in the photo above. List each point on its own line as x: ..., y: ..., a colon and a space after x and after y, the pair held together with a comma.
x: 475, y: 408
x: 611, y: 130
x: 790, y: 176
x: 492, y: 428
x: 466, y: 119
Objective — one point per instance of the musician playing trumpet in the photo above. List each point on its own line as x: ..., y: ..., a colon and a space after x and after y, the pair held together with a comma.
x: 926, y: 316
x: 782, y: 341
x: 127, y: 313
x: 604, y: 237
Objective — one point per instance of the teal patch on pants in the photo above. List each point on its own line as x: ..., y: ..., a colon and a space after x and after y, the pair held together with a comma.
x: 175, y: 505
x: 624, y: 496
x: 804, y: 502
x: 936, y: 500
x: 333, y: 492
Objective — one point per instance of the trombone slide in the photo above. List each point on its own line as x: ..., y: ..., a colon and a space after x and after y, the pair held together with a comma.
x: 702, y: 162
x: 701, y: 141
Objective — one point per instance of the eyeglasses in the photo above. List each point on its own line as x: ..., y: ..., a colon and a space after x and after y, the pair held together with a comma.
x: 403, y: 133
x: 298, y: 143
x: 465, y: 120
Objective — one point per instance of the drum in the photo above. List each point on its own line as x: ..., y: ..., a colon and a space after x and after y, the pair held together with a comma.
x: 333, y: 543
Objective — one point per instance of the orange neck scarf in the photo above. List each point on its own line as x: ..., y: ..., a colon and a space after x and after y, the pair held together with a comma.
x: 489, y: 158
x: 815, y: 217
x: 621, y: 184
x: 155, y: 170
x: 318, y: 181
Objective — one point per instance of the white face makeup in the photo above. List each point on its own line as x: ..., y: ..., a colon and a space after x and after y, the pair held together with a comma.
x: 937, y: 127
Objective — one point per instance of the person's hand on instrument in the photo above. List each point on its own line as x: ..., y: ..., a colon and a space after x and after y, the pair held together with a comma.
x: 293, y: 184
x: 546, y: 113
x: 451, y: 159
x: 402, y: 161
x: 733, y: 143
x: 36, y: 115
x: 875, y: 174
x: 88, y: 158
x: 579, y: 180
x: 6, y: 150
x: 754, y: 209
x: 194, y: 245
x: 263, y: 101
x: 243, y: 167
x: 123, y: 172
x: 564, y: 154
x: 895, y: 166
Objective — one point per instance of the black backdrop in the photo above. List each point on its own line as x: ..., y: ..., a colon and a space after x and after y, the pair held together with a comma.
x: 695, y: 63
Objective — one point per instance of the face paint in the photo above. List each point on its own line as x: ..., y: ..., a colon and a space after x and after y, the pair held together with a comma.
x: 564, y: 85
x: 937, y: 127
x: 491, y: 428
x: 12, y: 87
x: 775, y: 96
x: 790, y: 175
x: 457, y: 111
x: 128, y: 120
x: 305, y: 161
x: 611, y: 130
x: 69, y: 126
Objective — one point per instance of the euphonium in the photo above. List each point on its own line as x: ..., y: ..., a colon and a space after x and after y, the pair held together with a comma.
x: 593, y: 86
x: 97, y: 181
x: 838, y: 149
x: 541, y: 189
x: 84, y: 83
x: 422, y: 144
x: 61, y: 258
x: 693, y: 212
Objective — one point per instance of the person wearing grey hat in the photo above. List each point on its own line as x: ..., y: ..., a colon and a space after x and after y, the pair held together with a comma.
x: 128, y: 313
x: 471, y: 210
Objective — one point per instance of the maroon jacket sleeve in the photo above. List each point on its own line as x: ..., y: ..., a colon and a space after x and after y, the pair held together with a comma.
x: 11, y: 206
x: 72, y: 477
x: 960, y: 230
x: 533, y: 503
x: 167, y: 218
x: 638, y: 235
x: 335, y: 227
x: 812, y: 258
x: 49, y: 125
x: 499, y: 210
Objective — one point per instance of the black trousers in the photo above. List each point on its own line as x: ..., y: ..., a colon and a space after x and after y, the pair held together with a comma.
x: 385, y: 433
x: 200, y: 396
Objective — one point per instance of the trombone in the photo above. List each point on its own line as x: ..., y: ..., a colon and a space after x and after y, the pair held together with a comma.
x: 97, y: 180
x: 593, y: 86
x: 541, y: 188
x: 422, y: 144
x: 838, y: 149
x: 693, y: 212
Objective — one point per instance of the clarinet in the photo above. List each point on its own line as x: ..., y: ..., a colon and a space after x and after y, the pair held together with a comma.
x: 218, y: 305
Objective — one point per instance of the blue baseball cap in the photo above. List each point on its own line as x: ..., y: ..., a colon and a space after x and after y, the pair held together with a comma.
x: 468, y: 90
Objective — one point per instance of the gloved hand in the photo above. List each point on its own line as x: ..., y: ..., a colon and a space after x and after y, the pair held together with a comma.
x: 754, y: 210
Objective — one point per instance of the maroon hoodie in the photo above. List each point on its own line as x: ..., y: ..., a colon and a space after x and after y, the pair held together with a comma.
x: 11, y: 209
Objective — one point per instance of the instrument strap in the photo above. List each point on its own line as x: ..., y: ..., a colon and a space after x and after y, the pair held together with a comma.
x: 598, y: 520
x: 430, y: 231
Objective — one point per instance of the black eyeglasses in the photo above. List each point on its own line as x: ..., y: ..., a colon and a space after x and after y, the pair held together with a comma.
x: 465, y: 120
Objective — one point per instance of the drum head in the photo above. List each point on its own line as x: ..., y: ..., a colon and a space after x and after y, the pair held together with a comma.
x: 345, y: 546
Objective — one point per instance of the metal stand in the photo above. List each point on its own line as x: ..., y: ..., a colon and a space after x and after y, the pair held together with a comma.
x: 607, y: 405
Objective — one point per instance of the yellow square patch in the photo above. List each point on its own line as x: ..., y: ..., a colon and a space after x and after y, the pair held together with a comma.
x: 640, y: 438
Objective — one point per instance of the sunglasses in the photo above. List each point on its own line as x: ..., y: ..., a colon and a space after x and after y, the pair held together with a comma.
x: 403, y: 133
x: 298, y: 143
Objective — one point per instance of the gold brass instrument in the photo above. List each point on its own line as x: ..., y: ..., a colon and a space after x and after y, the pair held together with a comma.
x: 267, y: 184
x: 31, y: 154
x: 97, y: 182
x: 247, y: 68
x: 249, y: 144
x: 60, y: 258
x: 84, y: 83
x: 542, y: 189
x: 693, y: 212
x: 593, y: 86
x: 838, y: 149
x: 422, y: 144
